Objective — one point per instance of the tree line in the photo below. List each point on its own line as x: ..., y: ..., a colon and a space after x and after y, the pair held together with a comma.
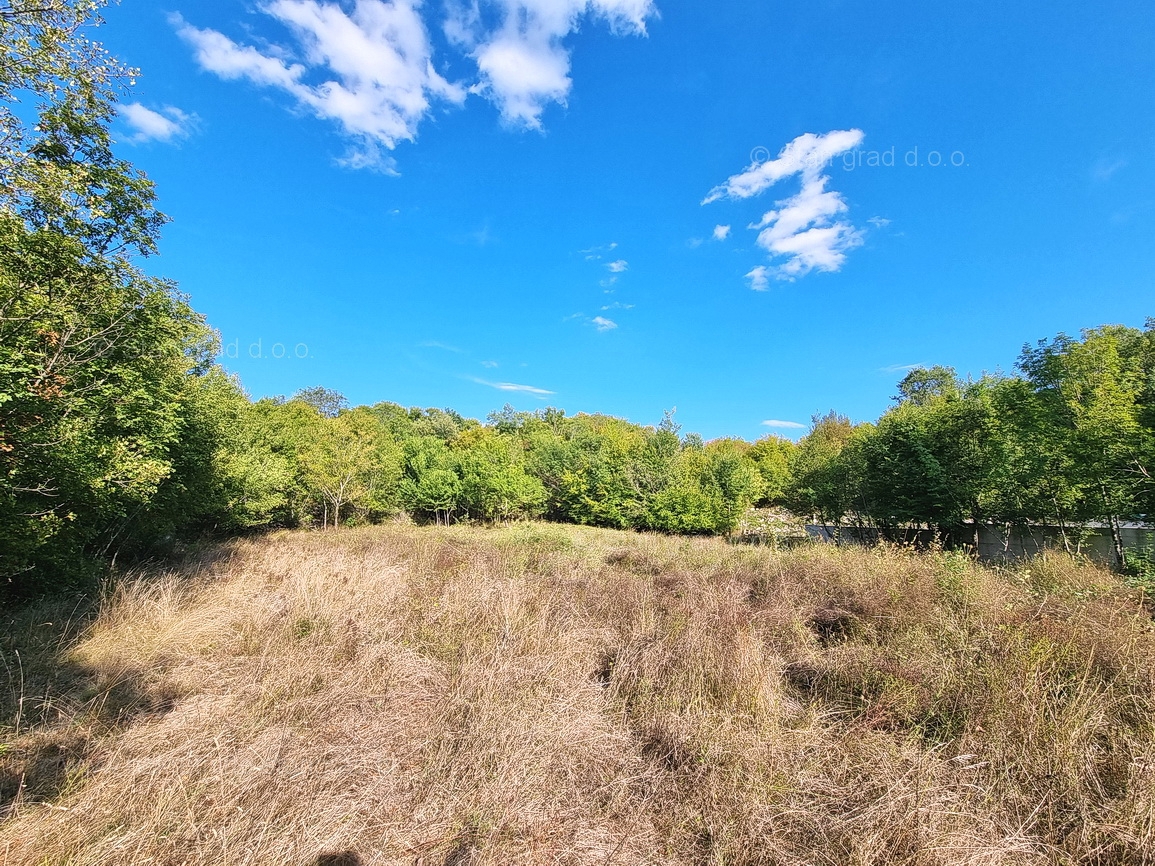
x: 121, y: 435
x: 144, y: 454
x: 1066, y: 442
x: 312, y: 461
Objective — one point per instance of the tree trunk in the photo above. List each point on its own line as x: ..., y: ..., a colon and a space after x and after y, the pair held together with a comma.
x: 1062, y: 525
x: 1117, y: 541
x: 1116, y: 535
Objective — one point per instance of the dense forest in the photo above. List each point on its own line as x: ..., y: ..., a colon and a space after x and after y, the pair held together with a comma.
x: 121, y: 435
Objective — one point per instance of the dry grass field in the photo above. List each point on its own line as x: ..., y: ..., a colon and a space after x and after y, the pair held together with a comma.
x: 538, y: 694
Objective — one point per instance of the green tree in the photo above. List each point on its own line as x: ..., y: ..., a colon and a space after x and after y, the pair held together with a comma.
x: 924, y: 384
x: 652, y: 474
x: 773, y: 456
x: 430, y: 487
x: 57, y: 169
x: 96, y: 363
x: 710, y: 488
x: 938, y: 459
x: 584, y: 464
x: 326, y: 401
x: 1091, y: 391
x: 820, y: 485
x: 352, y: 464
x: 103, y: 424
x: 494, y: 483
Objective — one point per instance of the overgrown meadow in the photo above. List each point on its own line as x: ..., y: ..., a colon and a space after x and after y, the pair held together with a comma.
x: 294, y: 631
x: 543, y: 694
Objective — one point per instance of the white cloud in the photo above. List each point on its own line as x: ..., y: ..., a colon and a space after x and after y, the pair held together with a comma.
x: 1106, y: 167
x: 149, y: 125
x: 490, y: 365
x: 721, y: 233
x: 617, y: 305
x: 368, y: 64
x: 903, y: 368
x: 595, y: 253
x: 599, y: 322
x: 217, y: 53
x: 759, y: 278
x: 808, y: 154
x: 376, y: 62
x: 521, y: 58
x: 804, y: 232
x: 618, y: 267
x: 879, y: 222
x: 524, y: 72
x: 1125, y: 215
x: 434, y: 344
x: 784, y: 425
x: 483, y: 237
x: 510, y: 386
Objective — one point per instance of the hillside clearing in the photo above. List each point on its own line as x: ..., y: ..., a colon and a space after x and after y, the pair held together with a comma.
x: 544, y: 694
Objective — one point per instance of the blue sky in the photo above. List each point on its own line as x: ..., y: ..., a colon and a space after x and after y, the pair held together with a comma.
x: 749, y: 211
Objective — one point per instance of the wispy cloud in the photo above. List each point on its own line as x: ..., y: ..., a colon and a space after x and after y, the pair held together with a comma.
x: 521, y: 58
x: 376, y: 61
x: 595, y: 253
x: 804, y: 232
x: 490, y: 365
x: 616, y: 267
x: 510, y: 386
x: 1124, y: 215
x: 617, y: 305
x: 434, y: 344
x: 599, y: 322
x: 483, y: 237
x: 1106, y: 167
x: 902, y: 368
x: 165, y: 125
x: 721, y: 233
x: 783, y: 425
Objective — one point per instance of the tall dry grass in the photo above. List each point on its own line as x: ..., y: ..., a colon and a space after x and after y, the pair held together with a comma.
x: 540, y: 694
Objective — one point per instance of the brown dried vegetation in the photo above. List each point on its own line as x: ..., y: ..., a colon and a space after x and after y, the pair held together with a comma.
x: 544, y: 694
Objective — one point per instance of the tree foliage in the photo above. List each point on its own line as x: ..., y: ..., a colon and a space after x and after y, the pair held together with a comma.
x: 1068, y: 442
x: 119, y: 435
x: 105, y: 408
